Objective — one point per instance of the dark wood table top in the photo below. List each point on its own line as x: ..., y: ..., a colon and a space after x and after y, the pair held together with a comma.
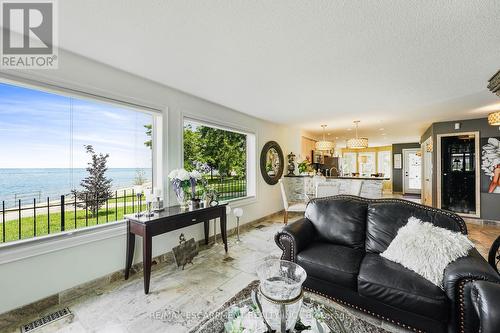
x: 170, y: 212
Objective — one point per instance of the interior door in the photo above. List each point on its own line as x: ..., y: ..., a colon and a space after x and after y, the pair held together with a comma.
x: 412, y: 171
x: 458, y: 173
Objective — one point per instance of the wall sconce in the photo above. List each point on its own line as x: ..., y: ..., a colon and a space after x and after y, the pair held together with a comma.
x: 429, y: 147
x: 457, y: 126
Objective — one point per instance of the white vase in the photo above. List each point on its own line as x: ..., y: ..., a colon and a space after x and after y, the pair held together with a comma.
x: 181, y: 199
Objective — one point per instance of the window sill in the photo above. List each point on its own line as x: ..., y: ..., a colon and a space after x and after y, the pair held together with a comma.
x: 240, y: 202
x: 23, y: 249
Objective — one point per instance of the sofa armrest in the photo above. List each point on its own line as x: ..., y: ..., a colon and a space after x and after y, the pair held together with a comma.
x: 294, y: 237
x: 458, y: 279
x: 486, y: 300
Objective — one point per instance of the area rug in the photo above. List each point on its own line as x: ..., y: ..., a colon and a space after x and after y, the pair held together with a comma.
x: 340, y: 319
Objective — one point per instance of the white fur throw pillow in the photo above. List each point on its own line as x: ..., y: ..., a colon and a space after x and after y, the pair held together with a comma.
x: 426, y: 249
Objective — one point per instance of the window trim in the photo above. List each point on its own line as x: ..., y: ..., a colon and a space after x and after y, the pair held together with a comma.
x: 251, y: 196
x: 33, y: 247
x: 86, y: 94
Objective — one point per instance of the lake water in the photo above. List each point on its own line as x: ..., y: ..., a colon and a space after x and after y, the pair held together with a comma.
x: 26, y: 184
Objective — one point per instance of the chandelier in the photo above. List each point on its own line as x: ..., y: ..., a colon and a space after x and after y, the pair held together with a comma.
x: 357, y: 142
x: 494, y: 118
x: 323, y: 144
x: 494, y: 84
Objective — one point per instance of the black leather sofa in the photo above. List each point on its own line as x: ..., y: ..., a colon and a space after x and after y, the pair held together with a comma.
x: 338, y: 243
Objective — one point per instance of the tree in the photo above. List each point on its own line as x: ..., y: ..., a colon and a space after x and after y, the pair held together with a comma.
x: 192, y: 147
x: 223, y: 150
x: 149, y: 133
x: 96, y: 187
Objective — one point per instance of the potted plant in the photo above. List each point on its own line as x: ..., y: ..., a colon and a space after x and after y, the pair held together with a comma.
x: 304, y: 167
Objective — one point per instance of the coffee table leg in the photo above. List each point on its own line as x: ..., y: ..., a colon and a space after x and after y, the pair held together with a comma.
x: 223, y: 228
x: 146, y: 260
x: 130, y: 251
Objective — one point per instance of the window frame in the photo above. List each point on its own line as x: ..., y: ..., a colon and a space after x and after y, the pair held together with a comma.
x: 59, y: 240
x: 379, y: 170
x: 251, y: 151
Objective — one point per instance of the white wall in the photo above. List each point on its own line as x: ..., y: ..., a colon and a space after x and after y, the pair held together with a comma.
x: 34, y: 277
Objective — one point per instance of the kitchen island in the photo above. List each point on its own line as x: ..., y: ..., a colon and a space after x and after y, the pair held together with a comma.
x: 300, y: 188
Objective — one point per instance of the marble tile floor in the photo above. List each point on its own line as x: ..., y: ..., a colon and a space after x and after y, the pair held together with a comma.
x: 180, y: 298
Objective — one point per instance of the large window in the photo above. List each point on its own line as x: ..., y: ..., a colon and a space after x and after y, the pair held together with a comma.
x: 384, y: 164
x: 68, y: 162
x: 222, y: 155
x: 367, y: 163
x: 349, y: 165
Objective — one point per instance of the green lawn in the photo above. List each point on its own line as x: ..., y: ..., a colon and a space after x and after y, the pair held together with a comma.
x: 42, y: 225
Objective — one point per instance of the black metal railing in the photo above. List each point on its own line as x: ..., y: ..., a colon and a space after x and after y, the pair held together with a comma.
x: 33, y: 218
x: 227, y: 188
x: 231, y: 188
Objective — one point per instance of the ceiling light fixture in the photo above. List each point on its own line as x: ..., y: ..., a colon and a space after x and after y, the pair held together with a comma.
x: 357, y: 142
x: 494, y: 118
x: 324, y: 144
x: 494, y: 84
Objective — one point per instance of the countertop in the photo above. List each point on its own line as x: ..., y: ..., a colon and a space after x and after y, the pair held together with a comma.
x: 341, y: 177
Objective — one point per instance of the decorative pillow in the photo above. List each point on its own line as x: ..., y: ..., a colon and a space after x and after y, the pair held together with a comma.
x: 426, y: 249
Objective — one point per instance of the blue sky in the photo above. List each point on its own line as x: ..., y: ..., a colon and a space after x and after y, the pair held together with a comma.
x: 35, y: 131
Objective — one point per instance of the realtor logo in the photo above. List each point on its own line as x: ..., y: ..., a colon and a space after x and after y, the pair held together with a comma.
x: 29, y: 34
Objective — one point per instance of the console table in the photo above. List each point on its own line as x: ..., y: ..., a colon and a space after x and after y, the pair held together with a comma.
x: 170, y: 219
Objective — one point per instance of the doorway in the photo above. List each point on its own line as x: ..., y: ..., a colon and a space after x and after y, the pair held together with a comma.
x: 412, y: 171
x: 427, y: 172
x: 458, y: 173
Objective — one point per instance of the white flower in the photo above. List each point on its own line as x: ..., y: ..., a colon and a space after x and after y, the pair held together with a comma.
x: 173, y: 174
x: 183, y: 175
x: 195, y: 174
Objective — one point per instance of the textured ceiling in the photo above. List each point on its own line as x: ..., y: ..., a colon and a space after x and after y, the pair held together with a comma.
x: 396, y: 65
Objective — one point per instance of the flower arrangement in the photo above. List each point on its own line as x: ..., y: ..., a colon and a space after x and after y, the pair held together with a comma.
x: 247, y: 319
x: 183, y: 181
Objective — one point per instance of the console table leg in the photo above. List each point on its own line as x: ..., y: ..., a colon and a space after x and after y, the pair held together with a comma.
x: 146, y: 260
x: 206, y: 225
x: 130, y: 251
x: 223, y: 228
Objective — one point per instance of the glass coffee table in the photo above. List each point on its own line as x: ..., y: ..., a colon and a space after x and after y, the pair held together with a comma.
x: 318, y: 315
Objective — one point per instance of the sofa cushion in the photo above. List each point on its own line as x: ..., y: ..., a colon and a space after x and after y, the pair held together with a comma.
x: 385, y: 218
x: 394, y: 285
x: 333, y: 263
x: 339, y: 220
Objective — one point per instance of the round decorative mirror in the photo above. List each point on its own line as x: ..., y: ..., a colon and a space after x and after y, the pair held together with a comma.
x: 271, y: 162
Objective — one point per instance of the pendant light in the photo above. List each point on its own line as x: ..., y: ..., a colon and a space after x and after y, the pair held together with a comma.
x: 357, y: 142
x: 323, y: 144
x: 494, y: 118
